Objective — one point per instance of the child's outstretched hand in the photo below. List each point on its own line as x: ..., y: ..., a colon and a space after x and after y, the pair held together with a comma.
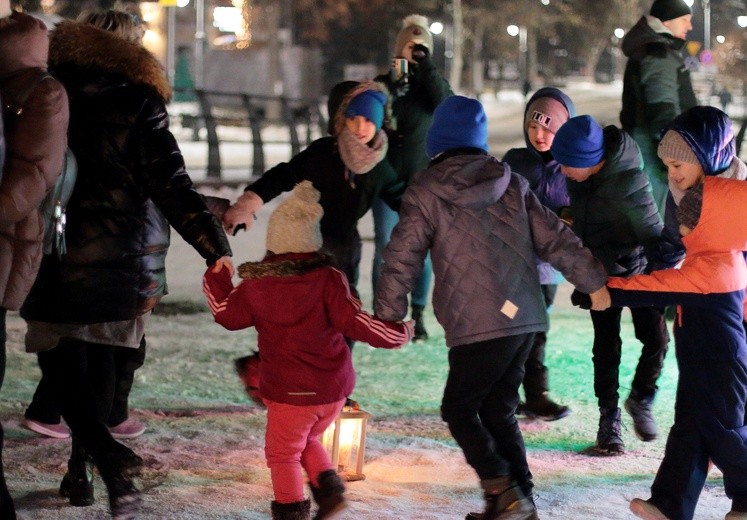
x: 600, y: 299
x: 224, y: 261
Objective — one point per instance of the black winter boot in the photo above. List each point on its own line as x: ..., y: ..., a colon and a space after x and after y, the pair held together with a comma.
x: 419, y: 332
x: 293, y: 511
x: 329, y: 495
x: 504, y: 500
x: 609, y: 435
x: 77, y: 484
x: 542, y: 407
x: 118, y: 467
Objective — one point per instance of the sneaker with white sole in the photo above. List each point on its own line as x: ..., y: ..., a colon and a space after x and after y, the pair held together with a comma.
x: 646, y: 510
x: 128, y: 429
x: 56, y: 431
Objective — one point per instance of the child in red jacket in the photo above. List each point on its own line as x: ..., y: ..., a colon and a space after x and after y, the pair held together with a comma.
x: 303, y: 309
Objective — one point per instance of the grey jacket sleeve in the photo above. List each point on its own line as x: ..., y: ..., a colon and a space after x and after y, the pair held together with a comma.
x: 555, y: 242
x: 403, y: 260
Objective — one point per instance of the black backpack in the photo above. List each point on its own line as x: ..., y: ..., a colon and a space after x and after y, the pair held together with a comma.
x: 55, y: 202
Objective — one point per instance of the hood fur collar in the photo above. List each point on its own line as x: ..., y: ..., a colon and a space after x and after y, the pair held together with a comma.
x: 90, y: 47
x: 283, y: 266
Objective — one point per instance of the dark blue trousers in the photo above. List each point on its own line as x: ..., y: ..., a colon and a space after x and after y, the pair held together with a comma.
x: 709, y: 423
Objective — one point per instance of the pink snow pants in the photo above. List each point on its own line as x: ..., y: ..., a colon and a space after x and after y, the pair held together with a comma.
x: 293, y: 441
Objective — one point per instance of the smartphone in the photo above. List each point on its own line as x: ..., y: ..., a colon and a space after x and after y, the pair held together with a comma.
x: 400, y: 67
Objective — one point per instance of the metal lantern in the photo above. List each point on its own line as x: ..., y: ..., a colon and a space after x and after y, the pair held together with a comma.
x: 345, y: 441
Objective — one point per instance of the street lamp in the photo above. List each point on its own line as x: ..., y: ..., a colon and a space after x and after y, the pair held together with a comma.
x: 521, y: 31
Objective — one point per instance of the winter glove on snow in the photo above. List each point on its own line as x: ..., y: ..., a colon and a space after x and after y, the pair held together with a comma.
x: 580, y: 299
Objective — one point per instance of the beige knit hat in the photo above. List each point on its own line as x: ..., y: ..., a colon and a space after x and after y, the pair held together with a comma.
x: 415, y: 29
x: 673, y: 146
x: 294, y: 225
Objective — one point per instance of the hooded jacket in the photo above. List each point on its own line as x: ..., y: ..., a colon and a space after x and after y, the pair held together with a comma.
x: 131, y: 185
x: 484, y: 228
x: 302, y: 309
x: 345, y: 197
x: 708, y: 290
x: 708, y: 132
x: 656, y: 83
x: 613, y: 210
x: 35, y: 141
x: 545, y: 179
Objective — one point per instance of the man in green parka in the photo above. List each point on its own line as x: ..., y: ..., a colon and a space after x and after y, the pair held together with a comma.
x: 656, y: 85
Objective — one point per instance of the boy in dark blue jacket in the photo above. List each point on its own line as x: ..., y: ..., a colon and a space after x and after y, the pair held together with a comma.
x: 615, y: 215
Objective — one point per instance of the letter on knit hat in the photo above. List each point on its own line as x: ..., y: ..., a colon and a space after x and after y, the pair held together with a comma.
x: 414, y: 29
x: 666, y: 10
x: 673, y: 146
x: 294, y: 225
x: 579, y: 143
x: 369, y: 104
x: 547, y: 112
x: 458, y: 122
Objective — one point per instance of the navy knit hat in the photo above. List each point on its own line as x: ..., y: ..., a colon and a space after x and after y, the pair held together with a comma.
x: 666, y: 10
x: 458, y: 122
x: 369, y: 104
x: 579, y: 143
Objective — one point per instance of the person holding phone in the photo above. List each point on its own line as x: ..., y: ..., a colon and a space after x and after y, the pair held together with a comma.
x: 416, y: 88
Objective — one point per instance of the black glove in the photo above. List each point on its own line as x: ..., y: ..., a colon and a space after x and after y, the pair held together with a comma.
x: 580, y: 299
x: 420, y: 53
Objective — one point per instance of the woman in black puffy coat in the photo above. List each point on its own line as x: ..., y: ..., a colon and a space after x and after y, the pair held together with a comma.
x: 90, y: 307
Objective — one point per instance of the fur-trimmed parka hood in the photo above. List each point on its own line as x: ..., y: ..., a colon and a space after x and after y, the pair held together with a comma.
x: 291, y: 264
x: 92, y: 48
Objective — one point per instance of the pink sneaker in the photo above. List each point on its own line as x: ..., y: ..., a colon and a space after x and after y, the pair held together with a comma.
x: 56, y: 431
x: 128, y: 429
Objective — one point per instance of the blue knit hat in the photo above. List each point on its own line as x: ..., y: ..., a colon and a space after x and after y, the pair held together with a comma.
x: 579, y: 143
x: 458, y: 122
x: 369, y: 104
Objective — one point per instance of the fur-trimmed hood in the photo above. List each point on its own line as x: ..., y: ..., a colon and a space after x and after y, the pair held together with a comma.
x: 89, y: 47
x: 292, y: 264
